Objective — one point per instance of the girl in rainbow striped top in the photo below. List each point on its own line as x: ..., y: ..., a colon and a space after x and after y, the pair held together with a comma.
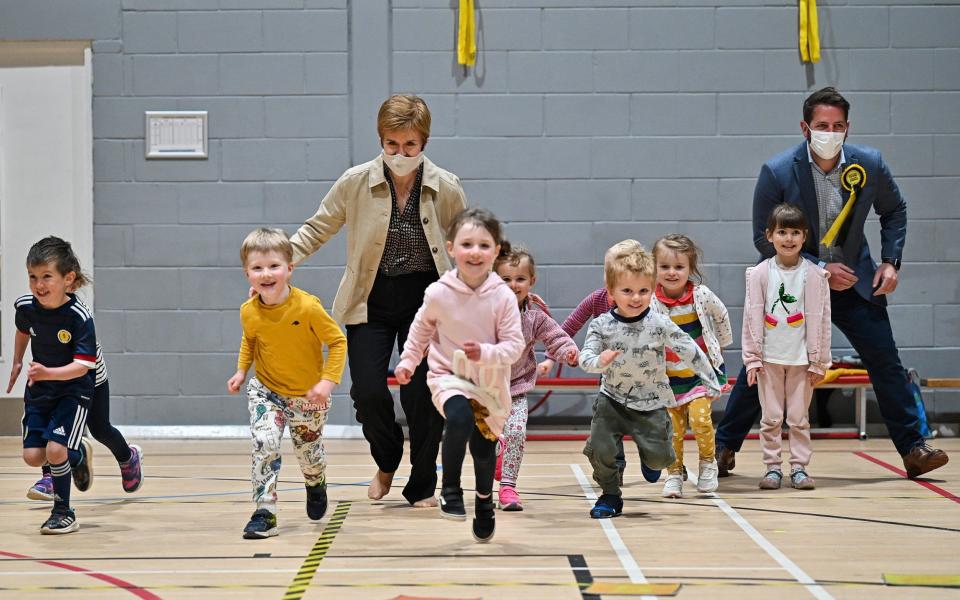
x: 699, y: 312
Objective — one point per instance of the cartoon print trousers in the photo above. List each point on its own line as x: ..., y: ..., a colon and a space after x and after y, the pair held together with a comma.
x: 270, y: 414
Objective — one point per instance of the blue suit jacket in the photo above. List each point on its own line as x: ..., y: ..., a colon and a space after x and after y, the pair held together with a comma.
x: 788, y: 177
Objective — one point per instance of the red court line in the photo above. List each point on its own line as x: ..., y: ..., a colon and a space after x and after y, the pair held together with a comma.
x: 133, y: 589
x: 902, y: 473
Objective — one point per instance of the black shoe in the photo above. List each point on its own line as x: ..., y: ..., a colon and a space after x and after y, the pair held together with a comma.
x: 83, y: 471
x: 316, y: 501
x: 451, y: 504
x: 484, y: 524
x: 263, y: 524
x: 607, y: 506
x: 62, y: 520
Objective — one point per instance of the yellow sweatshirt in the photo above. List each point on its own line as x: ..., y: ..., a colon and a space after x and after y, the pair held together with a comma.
x: 286, y: 343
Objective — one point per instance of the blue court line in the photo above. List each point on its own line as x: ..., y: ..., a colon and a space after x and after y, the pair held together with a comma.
x: 172, y: 497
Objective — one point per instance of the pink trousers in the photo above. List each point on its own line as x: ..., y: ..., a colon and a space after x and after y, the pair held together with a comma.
x: 784, y: 392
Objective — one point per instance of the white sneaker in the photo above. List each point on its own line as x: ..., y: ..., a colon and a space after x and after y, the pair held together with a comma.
x: 673, y: 487
x: 707, y: 480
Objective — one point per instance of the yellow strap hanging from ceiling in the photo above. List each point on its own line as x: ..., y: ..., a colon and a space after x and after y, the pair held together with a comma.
x: 809, y: 31
x: 467, y: 35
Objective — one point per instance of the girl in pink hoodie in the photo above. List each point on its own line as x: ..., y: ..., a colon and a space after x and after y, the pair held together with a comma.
x: 786, y: 342
x: 469, y: 328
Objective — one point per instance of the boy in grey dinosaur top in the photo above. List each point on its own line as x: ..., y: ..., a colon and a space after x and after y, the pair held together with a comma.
x: 628, y: 346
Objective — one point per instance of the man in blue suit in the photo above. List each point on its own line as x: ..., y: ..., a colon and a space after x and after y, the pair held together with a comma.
x: 820, y: 175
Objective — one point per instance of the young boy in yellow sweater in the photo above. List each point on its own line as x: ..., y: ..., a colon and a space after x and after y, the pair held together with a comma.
x: 284, y: 332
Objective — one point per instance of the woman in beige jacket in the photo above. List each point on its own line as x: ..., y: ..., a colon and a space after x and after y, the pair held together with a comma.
x: 396, y: 208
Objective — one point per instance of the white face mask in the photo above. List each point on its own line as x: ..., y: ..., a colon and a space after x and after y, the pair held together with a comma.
x: 826, y: 144
x: 402, y: 165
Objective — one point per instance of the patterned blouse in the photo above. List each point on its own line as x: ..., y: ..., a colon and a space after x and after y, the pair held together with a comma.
x: 406, y: 249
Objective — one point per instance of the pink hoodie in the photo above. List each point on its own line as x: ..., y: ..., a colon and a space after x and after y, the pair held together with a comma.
x: 452, y: 313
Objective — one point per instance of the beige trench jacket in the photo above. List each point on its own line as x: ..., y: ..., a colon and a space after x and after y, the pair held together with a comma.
x: 360, y: 199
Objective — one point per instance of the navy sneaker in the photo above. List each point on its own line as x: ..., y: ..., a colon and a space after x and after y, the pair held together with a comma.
x: 263, y: 524
x: 607, y: 506
x: 83, y: 471
x: 62, y: 520
x: 651, y: 475
x: 316, y: 501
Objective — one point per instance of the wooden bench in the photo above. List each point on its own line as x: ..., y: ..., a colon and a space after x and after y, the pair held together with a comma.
x: 858, y: 383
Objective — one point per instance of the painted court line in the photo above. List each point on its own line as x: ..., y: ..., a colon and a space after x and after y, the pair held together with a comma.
x: 137, y: 591
x: 613, y: 536
x: 902, y: 473
x: 510, y: 569
x: 303, y: 578
x: 799, y: 574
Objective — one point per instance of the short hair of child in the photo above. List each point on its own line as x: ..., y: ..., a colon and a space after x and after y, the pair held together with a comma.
x: 479, y: 217
x: 52, y: 249
x: 266, y: 239
x: 789, y: 216
x: 681, y: 244
x: 513, y: 255
x: 628, y: 256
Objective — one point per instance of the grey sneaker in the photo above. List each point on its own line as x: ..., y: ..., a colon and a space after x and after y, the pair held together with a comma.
x: 673, y: 486
x: 771, y: 481
x: 801, y: 481
x: 707, y: 479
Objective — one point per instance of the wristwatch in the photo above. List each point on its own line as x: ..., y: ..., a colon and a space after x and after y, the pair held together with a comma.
x: 892, y: 261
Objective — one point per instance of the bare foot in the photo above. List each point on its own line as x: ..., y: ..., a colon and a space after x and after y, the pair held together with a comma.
x: 430, y: 502
x: 380, y: 485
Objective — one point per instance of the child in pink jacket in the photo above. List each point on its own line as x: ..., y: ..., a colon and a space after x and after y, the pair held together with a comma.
x: 469, y: 328
x: 786, y: 342
x: 519, y: 271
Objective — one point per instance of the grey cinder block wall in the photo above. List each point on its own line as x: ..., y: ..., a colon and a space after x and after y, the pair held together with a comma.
x: 582, y: 124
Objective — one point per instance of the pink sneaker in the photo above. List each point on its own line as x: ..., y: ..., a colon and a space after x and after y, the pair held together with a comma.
x: 498, y: 471
x: 509, y: 499
x: 131, y: 472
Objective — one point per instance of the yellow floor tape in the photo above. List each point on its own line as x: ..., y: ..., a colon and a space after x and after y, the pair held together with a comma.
x: 634, y: 589
x: 920, y: 579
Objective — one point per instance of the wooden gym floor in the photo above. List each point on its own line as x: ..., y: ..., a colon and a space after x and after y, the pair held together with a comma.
x: 180, y: 535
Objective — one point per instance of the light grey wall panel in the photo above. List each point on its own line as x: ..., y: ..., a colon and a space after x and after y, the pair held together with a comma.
x: 580, y: 125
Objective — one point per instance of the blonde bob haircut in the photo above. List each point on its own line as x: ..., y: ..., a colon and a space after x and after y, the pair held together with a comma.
x: 266, y: 239
x: 402, y: 111
x: 628, y: 256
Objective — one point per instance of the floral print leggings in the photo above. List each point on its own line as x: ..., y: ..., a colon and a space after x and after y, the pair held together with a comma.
x: 270, y: 414
x: 514, y: 439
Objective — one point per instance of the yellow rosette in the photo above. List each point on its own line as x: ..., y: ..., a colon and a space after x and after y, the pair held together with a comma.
x: 853, y: 178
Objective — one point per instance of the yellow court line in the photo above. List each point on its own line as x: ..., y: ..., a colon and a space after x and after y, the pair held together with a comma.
x: 301, y: 581
x: 922, y: 579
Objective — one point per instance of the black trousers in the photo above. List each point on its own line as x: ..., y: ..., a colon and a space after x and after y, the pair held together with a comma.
x: 461, y: 431
x: 98, y: 422
x: 392, y: 304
